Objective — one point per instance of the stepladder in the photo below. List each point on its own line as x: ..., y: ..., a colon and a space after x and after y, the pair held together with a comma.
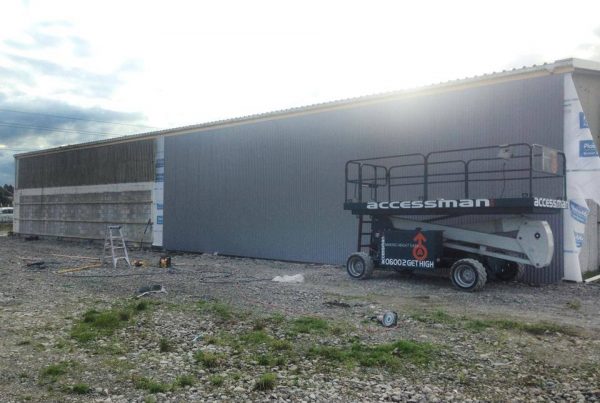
x: 115, y: 242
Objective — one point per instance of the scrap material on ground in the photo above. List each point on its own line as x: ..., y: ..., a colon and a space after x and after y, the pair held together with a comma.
x: 225, y: 330
x: 74, y: 269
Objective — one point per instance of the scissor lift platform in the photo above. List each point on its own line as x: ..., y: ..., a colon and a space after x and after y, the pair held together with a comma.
x: 411, y: 210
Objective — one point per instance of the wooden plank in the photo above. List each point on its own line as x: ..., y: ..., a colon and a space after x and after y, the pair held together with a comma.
x: 76, y: 257
x: 92, y: 266
x: 595, y: 278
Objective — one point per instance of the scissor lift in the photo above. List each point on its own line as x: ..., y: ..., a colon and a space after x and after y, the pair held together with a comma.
x: 471, y: 210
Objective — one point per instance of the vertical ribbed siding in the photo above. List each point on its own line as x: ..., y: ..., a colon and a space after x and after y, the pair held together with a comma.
x: 114, y: 163
x: 274, y: 189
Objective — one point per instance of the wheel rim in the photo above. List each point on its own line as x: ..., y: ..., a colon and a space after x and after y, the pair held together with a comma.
x: 465, y: 276
x: 356, y: 267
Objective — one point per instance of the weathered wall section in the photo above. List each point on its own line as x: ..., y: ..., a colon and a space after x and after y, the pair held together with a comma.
x: 113, y: 163
x: 84, y: 211
x: 77, y: 193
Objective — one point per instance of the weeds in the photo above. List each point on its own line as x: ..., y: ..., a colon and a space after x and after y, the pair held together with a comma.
x: 308, y: 324
x: 532, y: 328
x: 281, y: 345
x: 390, y: 355
x: 81, y: 389
x: 479, y: 325
x: 259, y: 324
x: 256, y: 337
x: 150, y: 385
x: 56, y: 370
x: 95, y: 324
x: 165, y: 346
x: 265, y: 382
x: 277, y: 318
x: 216, y: 380
x: 185, y: 380
x: 440, y: 316
x: 142, y: 306
x: 221, y: 310
x: 264, y: 359
x: 208, y: 359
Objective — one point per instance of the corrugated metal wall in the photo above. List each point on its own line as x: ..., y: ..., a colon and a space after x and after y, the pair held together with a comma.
x: 114, y: 163
x: 275, y: 189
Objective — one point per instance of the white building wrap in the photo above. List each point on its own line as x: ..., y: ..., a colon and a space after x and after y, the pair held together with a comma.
x: 583, y: 170
x: 158, y: 193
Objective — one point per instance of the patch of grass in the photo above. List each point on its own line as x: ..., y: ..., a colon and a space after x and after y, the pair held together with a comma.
x: 308, y: 324
x: 23, y: 342
x: 165, y: 345
x: 437, y: 316
x: 81, y: 389
x: 264, y: 359
x: 61, y: 343
x: 441, y: 316
x: 142, y: 306
x: 216, y: 380
x: 219, y: 309
x: 208, y: 359
x: 389, y: 355
x: 538, y: 328
x: 266, y: 382
x: 329, y: 353
x: 259, y: 324
x: 212, y: 340
x: 56, y: 370
x: 276, y: 318
x: 574, y: 304
x: 337, y: 330
x: 280, y: 361
x: 185, y: 380
x: 149, y: 385
x: 590, y: 274
x: 477, y: 325
x: 256, y: 337
x: 124, y: 316
x: 95, y: 324
x: 281, y: 345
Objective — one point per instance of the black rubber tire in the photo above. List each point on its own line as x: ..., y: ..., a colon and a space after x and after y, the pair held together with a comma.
x: 360, y: 266
x: 468, y: 275
x: 514, y: 272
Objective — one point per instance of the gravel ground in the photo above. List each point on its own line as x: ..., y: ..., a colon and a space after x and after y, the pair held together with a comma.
x: 223, y: 327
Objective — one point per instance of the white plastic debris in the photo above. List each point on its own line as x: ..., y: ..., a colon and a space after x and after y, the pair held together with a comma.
x: 152, y: 289
x: 296, y: 278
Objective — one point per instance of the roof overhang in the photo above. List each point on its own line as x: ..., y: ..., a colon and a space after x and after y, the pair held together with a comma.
x: 546, y: 69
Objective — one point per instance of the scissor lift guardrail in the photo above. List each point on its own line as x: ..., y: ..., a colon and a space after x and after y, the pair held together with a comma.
x: 411, y: 191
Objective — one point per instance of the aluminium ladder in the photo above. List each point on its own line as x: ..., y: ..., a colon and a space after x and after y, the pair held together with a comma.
x: 115, y: 241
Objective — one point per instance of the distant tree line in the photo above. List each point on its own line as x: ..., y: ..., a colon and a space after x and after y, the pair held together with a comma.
x: 6, y: 195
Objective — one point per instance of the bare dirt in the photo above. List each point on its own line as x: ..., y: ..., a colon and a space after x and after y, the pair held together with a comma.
x: 223, y: 324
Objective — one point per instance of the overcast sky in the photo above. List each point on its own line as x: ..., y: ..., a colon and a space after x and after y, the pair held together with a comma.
x: 160, y: 64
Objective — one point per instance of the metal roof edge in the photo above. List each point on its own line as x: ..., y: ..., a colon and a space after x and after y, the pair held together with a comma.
x: 557, y: 67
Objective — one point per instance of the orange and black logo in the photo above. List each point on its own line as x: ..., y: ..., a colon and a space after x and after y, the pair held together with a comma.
x: 419, y: 251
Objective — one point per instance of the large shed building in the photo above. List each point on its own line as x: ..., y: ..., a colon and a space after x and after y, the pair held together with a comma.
x: 272, y: 185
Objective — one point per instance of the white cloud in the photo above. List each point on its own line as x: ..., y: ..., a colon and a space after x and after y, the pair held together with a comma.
x: 182, y: 62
